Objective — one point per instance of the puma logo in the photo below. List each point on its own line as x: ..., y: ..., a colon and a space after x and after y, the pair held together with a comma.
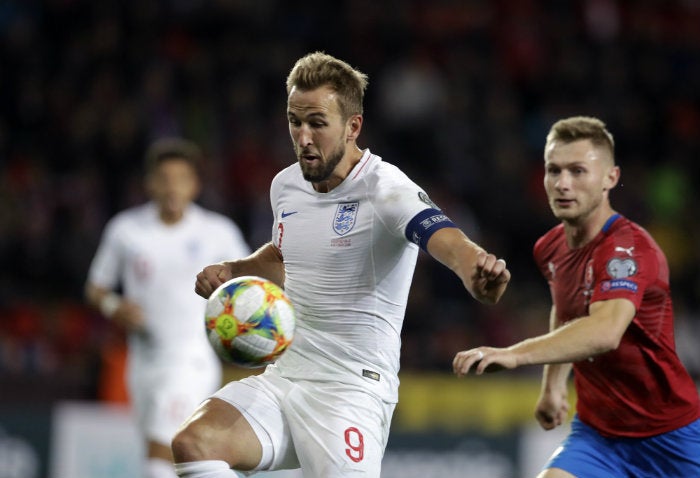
x: 627, y: 250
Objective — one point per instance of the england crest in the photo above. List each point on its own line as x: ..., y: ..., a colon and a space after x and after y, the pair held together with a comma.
x: 345, y: 217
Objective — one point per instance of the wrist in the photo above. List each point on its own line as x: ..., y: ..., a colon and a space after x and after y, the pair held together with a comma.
x: 109, y: 303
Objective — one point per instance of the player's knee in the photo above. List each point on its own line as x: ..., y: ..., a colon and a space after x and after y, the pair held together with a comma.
x: 189, y: 444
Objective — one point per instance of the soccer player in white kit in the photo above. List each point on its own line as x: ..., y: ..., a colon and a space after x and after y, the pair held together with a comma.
x: 150, y: 253
x: 346, y: 235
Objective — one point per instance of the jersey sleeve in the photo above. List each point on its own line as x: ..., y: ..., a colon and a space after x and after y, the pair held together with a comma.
x: 275, y: 190
x: 624, y: 267
x: 105, y: 269
x: 542, y: 253
x: 406, y: 209
x: 538, y: 251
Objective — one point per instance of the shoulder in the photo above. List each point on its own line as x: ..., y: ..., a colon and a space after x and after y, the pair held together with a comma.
x: 289, y: 174
x: 628, y: 249
x: 286, y: 181
x: 394, y: 194
x: 549, y: 241
x: 375, y: 168
x: 127, y: 223
x: 133, y: 216
x: 389, y: 184
x: 628, y: 240
x: 211, y: 219
x: 625, y: 234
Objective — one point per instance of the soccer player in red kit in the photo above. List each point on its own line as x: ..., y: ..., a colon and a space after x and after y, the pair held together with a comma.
x: 637, y: 409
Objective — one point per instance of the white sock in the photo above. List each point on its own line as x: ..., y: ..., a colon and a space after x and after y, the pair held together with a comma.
x: 160, y: 468
x: 205, y: 469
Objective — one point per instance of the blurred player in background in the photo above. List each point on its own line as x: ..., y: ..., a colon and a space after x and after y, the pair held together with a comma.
x: 346, y: 234
x: 612, y: 317
x: 151, y: 252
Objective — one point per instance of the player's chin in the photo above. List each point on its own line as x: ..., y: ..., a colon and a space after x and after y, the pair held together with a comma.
x: 564, y: 213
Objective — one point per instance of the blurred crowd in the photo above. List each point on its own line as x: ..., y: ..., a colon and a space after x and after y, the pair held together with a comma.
x: 461, y: 96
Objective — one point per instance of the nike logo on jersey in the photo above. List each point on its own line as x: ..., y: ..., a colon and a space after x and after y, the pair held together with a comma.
x: 628, y: 250
x: 286, y: 214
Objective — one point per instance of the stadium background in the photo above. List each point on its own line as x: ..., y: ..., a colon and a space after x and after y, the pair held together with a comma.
x: 461, y: 96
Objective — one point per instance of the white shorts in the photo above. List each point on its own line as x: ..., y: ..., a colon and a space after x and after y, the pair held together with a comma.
x: 164, y: 397
x: 327, y: 428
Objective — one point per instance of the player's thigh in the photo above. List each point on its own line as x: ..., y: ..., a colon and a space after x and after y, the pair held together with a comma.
x: 165, y: 399
x: 217, y: 431
x: 338, y: 432
x: 555, y: 473
x: 674, y: 454
x: 259, y: 399
x: 584, y: 454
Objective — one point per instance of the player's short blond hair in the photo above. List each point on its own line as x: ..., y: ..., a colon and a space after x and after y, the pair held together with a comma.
x: 164, y: 149
x: 581, y: 127
x: 320, y: 69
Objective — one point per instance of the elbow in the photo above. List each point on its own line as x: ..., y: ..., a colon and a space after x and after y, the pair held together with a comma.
x: 93, y: 294
x: 607, y: 343
x: 89, y: 293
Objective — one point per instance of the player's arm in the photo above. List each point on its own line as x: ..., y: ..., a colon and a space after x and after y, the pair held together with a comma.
x: 552, y: 406
x: 555, y: 375
x: 578, y: 339
x: 114, y: 307
x: 266, y: 262
x: 483, y: 275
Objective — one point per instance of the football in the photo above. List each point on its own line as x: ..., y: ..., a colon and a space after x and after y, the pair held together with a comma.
x: 249, y: 321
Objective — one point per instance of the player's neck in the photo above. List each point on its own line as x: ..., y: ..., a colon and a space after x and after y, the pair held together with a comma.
x: 349, y: 161
x: 581, y: 231
x: 170, y: 218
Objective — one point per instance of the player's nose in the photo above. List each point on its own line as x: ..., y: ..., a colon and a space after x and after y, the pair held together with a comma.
x: 563, y: 182
x: 304, y: 136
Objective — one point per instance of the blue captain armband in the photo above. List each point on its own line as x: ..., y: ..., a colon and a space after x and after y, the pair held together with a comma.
x: 424, y: 224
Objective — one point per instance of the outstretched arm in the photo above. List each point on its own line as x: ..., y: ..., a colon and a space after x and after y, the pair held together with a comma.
x: 266, y: 262
x: 578, y: 339
x: 483, y: 275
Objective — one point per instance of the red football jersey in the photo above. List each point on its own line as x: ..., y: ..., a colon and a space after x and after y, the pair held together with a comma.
x: 641, y: 388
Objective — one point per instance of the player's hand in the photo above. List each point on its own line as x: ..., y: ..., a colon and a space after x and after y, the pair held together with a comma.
x: 483, y: 359
x: 129, y: 315
x: 212, y: 277
x: 552, y: 409
x: 489, y: 278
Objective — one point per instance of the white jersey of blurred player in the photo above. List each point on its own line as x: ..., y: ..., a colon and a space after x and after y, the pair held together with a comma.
x: 349, y: 258
x: 171, y: 365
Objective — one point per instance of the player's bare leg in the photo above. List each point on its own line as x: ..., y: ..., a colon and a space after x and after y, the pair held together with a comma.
x: 159, y: 463
x: 555, y: 473
x: 216, y: 432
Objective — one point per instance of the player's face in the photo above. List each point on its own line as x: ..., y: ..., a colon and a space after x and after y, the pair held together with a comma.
x: 577, y: 177
x: 173, y: 185
x: 318, y: 132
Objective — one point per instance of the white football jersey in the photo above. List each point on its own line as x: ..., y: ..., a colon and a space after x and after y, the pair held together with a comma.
x: 156, y: 265
x: 348, y: 269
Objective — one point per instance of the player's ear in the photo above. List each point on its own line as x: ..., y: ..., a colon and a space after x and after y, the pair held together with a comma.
x: 611, y: 178
x: 197, y: 187
x: 353, y: 127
